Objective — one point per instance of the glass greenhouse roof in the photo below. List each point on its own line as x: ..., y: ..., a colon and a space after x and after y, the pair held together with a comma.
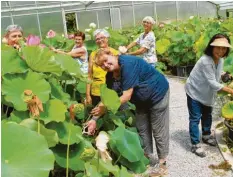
x: 224, y: 5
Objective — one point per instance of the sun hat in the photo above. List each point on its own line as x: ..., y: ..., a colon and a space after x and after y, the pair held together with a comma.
x: 221, y: 42
x: 148, y: 19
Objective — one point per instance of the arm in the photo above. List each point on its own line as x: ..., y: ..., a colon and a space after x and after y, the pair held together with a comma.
x: 132, y: 44
x: 74, y: 53
x: 210, y: 77
x: 227, y: 89
x: 100, y: 109
x: 138, y: 52
x: 88, y: 89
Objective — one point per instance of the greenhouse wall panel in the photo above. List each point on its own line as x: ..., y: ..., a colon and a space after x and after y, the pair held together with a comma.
x: 186, y: 9
x: 5, y: 22
x: 127, y: 19
x: 104, y: 18
x: 143, y: 10
x: 115, y: 14
x: 166, y: 10
x: 115, y: 18
x: 51, y: 21
x: 85, y: 18
x: 206, y: 9
x: 28, y: 28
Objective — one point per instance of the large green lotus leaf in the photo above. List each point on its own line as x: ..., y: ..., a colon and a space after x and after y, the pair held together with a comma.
x: 75, y: 163
x: 227, y: 110
x: 62, y: 129
x: 91, y: 170
x: 24, y: 152
x: 139, y: 166
x: 69, y: 65
x: 41, y: 60
x: 91, y: 45
x: 11, y: 61
x: 54, y: 110
x: 3, y: 101
x: 50, y: 135
x: 177, y: 36
x: 105, y: 167
x: 124, y: 172
x: 57, y: 91
x: 162, y: 45
x: 81, y: 87
x: 228, y: 64
x: 18, y: 116
x: 109, y: 98
x: 13, y: 87
x: 128, y: 144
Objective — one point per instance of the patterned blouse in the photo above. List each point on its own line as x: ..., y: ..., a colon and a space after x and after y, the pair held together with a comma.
x: 148, y: 42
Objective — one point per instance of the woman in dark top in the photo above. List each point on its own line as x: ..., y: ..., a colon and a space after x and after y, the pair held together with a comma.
x: 148, y: 89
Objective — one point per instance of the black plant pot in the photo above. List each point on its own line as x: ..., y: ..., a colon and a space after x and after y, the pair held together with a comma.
x: 230, y: 128
x: 181, y: 71
x: 189, y: 69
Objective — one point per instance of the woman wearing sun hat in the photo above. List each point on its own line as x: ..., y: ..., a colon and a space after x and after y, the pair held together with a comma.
x: 201, y: 89
x: 146, y: 41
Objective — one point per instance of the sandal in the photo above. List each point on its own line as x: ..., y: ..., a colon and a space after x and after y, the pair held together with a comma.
x: 209, y: 139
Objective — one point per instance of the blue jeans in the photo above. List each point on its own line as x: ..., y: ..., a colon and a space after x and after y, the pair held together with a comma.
x: 197, y: 112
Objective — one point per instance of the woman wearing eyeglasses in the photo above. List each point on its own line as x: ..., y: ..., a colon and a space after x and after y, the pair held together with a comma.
x: 95, y: 73
x: 146, y: 41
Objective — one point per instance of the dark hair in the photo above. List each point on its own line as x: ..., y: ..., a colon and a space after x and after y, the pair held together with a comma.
x: 209, y: 49
x: 80, y: 33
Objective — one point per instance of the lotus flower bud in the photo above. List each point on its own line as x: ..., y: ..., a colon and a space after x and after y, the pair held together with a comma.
x: 33, y: 40
x: 51, y: 34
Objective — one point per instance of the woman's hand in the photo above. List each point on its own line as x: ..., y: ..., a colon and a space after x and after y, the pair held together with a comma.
x: 98, y: 111
x: 88, y: 100
x: 91, y: 127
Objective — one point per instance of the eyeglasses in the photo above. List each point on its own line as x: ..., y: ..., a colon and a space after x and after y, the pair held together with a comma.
x: 101, y: 38
x: 146, y: 22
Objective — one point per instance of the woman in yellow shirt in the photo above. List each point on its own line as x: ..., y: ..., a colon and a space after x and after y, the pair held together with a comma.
x: 95, y: 73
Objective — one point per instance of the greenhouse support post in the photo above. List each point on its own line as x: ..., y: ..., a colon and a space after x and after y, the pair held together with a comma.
x: 134, y: 22
x: 64, y: 22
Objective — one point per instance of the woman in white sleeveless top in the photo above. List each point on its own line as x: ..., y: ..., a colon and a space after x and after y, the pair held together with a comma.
x: 79, y: 51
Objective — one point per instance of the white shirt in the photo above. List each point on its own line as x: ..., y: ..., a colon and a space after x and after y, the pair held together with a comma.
x: 148, y: 42
x: 83, y: 63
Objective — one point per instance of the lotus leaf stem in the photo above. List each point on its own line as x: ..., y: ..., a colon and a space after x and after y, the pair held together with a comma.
x: 68, y: 150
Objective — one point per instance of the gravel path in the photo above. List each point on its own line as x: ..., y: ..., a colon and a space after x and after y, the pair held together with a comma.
x: 181, y: 161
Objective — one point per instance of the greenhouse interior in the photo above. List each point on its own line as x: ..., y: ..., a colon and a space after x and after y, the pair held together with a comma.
x: 117, y: 88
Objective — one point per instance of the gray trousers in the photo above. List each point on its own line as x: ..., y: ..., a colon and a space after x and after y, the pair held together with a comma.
x: 156, y: 120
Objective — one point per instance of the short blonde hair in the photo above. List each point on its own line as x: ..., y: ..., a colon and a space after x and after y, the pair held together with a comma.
x: 101, y: 52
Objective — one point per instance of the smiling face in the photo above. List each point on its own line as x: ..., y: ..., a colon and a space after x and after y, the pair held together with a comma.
x: 78, y: 41
x: 219, y: 52
x: 101, y: 40
x: 14, y: 37
x: 107, y: 62
x: 147, y: 25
